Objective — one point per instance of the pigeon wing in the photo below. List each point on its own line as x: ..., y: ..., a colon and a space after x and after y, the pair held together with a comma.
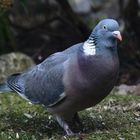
x: 43, y: 83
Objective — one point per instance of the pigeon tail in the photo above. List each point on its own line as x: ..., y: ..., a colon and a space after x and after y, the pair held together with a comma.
x: 4, y: 88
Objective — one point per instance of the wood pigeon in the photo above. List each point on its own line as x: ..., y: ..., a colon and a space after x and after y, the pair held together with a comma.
x: 74, y: 79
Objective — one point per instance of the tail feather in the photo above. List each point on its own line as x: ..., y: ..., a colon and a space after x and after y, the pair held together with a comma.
x: 4, y: 88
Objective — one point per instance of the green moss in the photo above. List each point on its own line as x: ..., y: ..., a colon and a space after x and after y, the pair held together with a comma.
x: 117, y: 117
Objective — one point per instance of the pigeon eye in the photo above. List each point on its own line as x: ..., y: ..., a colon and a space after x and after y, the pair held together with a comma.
x: 104, y: 27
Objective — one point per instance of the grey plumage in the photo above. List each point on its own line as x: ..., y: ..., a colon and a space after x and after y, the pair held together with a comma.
x: 75, y: 79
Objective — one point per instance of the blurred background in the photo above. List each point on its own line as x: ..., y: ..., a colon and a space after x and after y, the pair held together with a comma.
x: 31, y: 30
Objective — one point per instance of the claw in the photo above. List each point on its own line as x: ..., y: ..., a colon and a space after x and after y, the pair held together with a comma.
x: 69, y: 132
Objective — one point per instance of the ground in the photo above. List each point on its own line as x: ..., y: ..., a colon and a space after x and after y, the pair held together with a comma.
x: 117, y: 117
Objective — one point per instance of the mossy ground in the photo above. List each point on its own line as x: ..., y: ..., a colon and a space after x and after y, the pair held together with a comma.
x: 117, y: 117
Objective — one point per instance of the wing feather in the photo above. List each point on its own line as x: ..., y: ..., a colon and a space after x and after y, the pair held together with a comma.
x: 43, y: 83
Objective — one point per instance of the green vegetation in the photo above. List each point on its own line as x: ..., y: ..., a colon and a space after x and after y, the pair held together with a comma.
x: 115, y: 118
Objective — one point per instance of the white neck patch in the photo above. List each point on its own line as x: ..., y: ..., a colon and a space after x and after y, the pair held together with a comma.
x: 89, y: 48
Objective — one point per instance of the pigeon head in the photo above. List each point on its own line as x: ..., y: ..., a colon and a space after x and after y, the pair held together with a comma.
x: 106, y: 33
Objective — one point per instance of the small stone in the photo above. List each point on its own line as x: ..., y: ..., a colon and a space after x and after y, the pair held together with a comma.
x: 14, y: 63
x: 17, y: 135
x: 120, y: 138
x: 28, y: 115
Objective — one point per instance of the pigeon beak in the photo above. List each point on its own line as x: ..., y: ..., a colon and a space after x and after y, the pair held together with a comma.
x: 117, y: 35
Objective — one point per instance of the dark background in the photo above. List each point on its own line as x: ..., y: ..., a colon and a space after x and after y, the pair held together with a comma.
x: 39, y: 28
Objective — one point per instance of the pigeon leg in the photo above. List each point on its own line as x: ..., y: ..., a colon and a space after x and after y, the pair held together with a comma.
x: 78, y: 120
x: 64, y: 125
